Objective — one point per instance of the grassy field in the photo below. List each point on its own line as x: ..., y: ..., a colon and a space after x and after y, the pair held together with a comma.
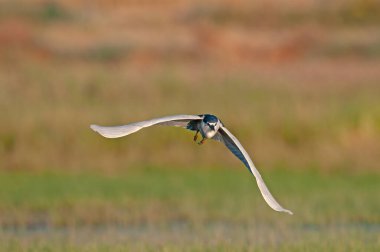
x: 297, y: 87
x: 296, y: 81
x: 188, y: 210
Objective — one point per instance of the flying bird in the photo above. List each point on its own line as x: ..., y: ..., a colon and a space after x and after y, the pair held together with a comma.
x: 210, y: 127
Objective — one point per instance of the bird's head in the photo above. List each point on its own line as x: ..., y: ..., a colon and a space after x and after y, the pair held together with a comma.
x: 211, y: 121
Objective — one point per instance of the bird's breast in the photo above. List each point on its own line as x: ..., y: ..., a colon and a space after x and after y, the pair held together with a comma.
x: 210, y: 134
x: 207, y: 132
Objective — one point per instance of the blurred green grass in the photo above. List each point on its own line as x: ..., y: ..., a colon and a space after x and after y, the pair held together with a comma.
x: 172, y: 209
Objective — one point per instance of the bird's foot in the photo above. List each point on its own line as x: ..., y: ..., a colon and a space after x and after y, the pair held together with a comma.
x: 202, y: 141
x: 196, y: 136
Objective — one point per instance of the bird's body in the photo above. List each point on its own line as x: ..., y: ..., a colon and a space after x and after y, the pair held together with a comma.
x: 210, y: 127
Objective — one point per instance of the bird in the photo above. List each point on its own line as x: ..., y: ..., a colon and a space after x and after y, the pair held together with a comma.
x: 210, y: 127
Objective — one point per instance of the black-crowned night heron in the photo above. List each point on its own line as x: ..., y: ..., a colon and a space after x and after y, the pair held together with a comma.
x: 210, y: 127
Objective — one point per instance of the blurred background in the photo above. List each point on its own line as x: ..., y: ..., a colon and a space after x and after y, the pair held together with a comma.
x: 298, y: 82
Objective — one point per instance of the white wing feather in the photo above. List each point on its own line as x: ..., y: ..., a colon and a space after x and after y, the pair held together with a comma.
x: 240, y: 152
x: 124, y: 130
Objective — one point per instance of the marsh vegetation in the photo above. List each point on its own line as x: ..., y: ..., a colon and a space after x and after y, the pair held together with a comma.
x: 297, y: 83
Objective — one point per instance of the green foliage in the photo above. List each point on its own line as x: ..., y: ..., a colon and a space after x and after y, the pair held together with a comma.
x: 351, y: 12
x: 51, y: 11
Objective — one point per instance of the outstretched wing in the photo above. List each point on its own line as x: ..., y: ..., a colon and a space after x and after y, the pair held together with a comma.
x: 225, y: 136
x: 120, y: 131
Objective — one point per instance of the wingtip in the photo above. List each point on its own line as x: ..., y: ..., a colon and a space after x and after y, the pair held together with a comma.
x: 287, y: 211
x: 94, y: 127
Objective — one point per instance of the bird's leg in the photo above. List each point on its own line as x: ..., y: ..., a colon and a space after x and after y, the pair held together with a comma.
x: 196, y: 136
x: 202, y: 141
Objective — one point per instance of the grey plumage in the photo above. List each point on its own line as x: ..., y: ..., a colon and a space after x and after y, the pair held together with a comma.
x: 210, y: 127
